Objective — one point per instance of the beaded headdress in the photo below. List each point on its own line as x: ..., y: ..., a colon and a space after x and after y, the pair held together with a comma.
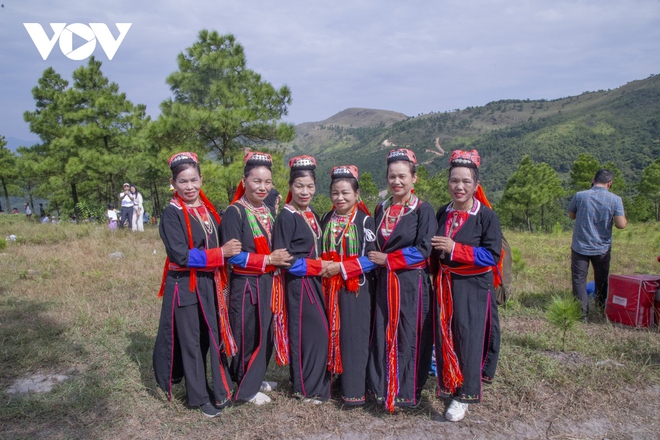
x: 402, y: 154
x: 302, y: 163
x: 344, y: 171
x: 181, y: 158
x: 461, y: 158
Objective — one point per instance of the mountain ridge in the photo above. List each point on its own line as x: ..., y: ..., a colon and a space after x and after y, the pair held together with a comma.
x: 621, y: 125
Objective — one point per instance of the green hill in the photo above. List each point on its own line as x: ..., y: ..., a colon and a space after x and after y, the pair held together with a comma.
x: 620, y: 125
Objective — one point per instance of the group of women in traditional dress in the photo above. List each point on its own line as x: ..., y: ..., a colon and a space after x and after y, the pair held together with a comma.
x: 345, y: 296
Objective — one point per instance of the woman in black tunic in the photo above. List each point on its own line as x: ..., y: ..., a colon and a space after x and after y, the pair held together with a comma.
x: 348, y: 234
x: 249, y: 220
x: 193, y: 316
x: 297, y: 229
x: 401, y: 339
x: 467, y: 247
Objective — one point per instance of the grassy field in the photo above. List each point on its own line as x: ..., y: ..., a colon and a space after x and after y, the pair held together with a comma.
x: 67, y: 308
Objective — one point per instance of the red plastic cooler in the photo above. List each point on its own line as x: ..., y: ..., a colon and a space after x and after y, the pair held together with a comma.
x: 630, y: 299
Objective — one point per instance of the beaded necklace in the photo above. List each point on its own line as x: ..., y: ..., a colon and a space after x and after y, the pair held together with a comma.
x: 388, y: 222
x: 201, y: 215
x: 259, y: 214
x: 341, y: 233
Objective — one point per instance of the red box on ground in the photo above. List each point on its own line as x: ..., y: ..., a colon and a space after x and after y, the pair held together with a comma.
x: 630, y: 299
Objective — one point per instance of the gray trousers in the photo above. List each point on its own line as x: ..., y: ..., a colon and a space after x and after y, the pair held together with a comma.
x: 126, y: 215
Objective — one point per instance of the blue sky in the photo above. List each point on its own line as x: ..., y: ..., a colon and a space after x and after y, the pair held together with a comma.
x: 407, y: 56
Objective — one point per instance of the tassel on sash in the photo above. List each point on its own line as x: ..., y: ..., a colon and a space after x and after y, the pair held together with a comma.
x: 280, y: 320
x: 392, y: 343
x: 331, y: 288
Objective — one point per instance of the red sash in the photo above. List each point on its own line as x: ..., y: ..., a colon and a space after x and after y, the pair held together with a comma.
x: 452, y: 377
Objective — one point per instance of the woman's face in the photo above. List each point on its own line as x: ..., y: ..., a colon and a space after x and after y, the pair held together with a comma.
x: 132, y: 189
x: 257, y: 185
x: 188, y: 184
x: 343, y: 197
x: 302, y: 191
x: 400, y: 180
x: 461, y: 185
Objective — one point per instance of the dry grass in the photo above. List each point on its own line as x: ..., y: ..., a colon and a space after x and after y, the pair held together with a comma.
x: 66, y: 307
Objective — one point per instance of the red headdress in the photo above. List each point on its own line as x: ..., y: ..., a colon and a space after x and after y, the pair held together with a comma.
x: 251, y: 160
x: 402, y: 154
x: 181, y: 158
x: 349, y: 172
x: 300, y: 163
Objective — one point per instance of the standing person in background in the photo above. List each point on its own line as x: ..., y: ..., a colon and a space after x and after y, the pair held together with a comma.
x: 28, y: 211
x: 127, y: 201
x: 594, y: 211
x: 194, y: 325
x: 137, y: 223
x: 348, y: 283
x: 402, y: 335
x: 249, y: 220
x: 42, y: 213
x: 297, y: 230
x: 466, y: 250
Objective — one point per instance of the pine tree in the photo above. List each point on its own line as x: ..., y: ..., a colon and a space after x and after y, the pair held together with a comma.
x: 219, y: 105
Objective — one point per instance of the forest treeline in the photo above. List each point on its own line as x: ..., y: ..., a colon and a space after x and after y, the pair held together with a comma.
x: 535, y: 154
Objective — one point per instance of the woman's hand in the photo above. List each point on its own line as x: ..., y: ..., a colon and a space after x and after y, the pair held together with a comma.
x: 280, y: 258
x: 231, y: 248
x: 379, y: 258
x: 440, y: 243
x: 331, y: 269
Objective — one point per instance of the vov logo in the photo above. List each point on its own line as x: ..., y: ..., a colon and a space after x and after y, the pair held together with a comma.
x: 64, y: 33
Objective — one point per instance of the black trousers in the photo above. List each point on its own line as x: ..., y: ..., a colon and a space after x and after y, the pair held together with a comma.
x: 579, y: 270
x: 195, y: 342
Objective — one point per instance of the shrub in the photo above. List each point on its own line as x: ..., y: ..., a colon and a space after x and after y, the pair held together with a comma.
x: 563, y: 313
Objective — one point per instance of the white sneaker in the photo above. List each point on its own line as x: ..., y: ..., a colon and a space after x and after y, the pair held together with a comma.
x: 268, y: 386
x: 312, y: 401
x: 456, y: 411
x: 260, y: 399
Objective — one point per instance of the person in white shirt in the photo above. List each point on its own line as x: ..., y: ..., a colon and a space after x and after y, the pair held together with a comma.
x: 112, y: 217
x: 137, y: 223
x: 127, y: 201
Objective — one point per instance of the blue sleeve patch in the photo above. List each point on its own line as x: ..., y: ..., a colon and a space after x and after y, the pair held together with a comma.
x: 367, y: 265
x: 299, y: 268
x: 412, y: 255
x: 483, y: 257
x: 196, y: 258
x: 239, y: 259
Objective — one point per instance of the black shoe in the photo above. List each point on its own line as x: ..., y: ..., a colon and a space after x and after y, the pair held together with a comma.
x: 209, y: 410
